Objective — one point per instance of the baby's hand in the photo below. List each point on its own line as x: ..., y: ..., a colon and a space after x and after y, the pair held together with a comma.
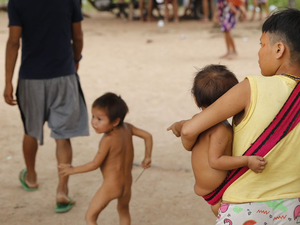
x: 146, y: 163
x: 173, y: 128
x: 65, y: 169
x: 256, y: 163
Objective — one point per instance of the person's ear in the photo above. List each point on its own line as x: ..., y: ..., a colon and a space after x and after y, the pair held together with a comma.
x: 280, y: 49
x: 116, y: 122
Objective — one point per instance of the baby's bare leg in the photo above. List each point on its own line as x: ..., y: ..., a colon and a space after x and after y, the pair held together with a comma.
x: 215, y: 208
x: 123, y: 208
x: 103, y: 196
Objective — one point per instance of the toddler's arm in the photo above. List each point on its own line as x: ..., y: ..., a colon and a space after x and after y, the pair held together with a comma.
x: 256, y: 163
x: 231, y: 103
x: 67, y: 169
x: 176, y: 128
x: 148, y: 144
x: 219, y: 141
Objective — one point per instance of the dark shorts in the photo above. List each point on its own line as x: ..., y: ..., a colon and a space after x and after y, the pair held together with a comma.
x: 59, y: 101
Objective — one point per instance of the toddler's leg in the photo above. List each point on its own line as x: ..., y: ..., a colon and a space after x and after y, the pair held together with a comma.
x: 123, y: 208
x: 215, y: 208
x: 103, y: 196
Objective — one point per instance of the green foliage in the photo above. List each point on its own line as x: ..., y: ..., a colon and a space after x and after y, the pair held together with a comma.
x: 86, y: 7
x: 281, y: 3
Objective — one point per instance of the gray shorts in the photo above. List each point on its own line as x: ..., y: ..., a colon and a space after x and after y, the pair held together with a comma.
x: 59, y: 101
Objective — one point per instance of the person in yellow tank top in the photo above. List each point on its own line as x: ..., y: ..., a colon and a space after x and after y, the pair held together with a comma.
x: 273, y: 196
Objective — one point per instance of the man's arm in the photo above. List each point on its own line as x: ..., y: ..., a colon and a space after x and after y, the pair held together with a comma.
x: 77, y: 38
x: 148, y: 144
x: 231, y: 103
x: 12, y: 48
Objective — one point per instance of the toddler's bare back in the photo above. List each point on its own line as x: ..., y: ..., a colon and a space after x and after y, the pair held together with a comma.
x: 118, y: 163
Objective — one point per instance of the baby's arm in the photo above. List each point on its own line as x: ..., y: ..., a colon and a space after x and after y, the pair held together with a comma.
x: 231, y: 103
x: 217, y: 160
x: 176, y: 128
x: 148, y: 144
x: 67, y: 169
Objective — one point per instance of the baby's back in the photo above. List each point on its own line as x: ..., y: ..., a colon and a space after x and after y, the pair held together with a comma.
x: 206, y: 178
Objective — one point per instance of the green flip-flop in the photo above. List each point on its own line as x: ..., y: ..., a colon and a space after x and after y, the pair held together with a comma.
x: 23, y: 183
x: 64, y: 207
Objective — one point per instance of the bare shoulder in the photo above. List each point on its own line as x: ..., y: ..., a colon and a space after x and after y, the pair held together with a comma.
x: 127, y: 125
x: 106, y: 140
x: 223, y: 128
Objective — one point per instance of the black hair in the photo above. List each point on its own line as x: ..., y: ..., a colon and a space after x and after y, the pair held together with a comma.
x: 114, y: 106
x: 211, y: 82
x: 284, y: 26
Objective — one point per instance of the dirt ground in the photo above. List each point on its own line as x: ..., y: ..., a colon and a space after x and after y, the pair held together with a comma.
x: 152, y: 68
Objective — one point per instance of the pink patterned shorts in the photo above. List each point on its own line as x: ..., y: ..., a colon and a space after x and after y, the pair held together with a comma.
x: 279, y: 212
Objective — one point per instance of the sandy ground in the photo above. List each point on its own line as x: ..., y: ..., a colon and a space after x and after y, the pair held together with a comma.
x: 152, y: 68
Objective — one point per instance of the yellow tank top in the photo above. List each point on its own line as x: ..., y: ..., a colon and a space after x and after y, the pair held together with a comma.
x: 281, y: 177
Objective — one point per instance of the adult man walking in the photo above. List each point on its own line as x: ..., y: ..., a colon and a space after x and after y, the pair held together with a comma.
x: 48, y: 84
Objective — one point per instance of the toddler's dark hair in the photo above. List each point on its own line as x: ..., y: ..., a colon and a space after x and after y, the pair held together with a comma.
x: 284, y: 26
x: 114, y: 106
x: 211, y: 82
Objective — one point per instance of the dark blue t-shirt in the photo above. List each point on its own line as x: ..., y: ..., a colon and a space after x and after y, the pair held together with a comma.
x: 46, y: 36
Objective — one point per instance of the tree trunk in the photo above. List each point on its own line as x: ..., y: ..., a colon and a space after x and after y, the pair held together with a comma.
x: 292, y: 4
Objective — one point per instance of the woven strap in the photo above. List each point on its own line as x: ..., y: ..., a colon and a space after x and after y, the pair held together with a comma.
x: 287, y: 118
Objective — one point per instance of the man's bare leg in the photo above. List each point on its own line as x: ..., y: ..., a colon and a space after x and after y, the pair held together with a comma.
x: 175, y: 11
x: 149, y: 10
x: 205, y: 10
x: 30, y: 147
x: 166, y: 15
x: 63, y: 155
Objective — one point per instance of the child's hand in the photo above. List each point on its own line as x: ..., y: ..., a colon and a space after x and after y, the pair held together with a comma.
x: 65, y: 169
x: 173, y: 128
x: 256, y: 163
x: 146, y: 163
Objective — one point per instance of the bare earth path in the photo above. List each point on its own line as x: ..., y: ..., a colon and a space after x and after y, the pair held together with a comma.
x: 152, y: 69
